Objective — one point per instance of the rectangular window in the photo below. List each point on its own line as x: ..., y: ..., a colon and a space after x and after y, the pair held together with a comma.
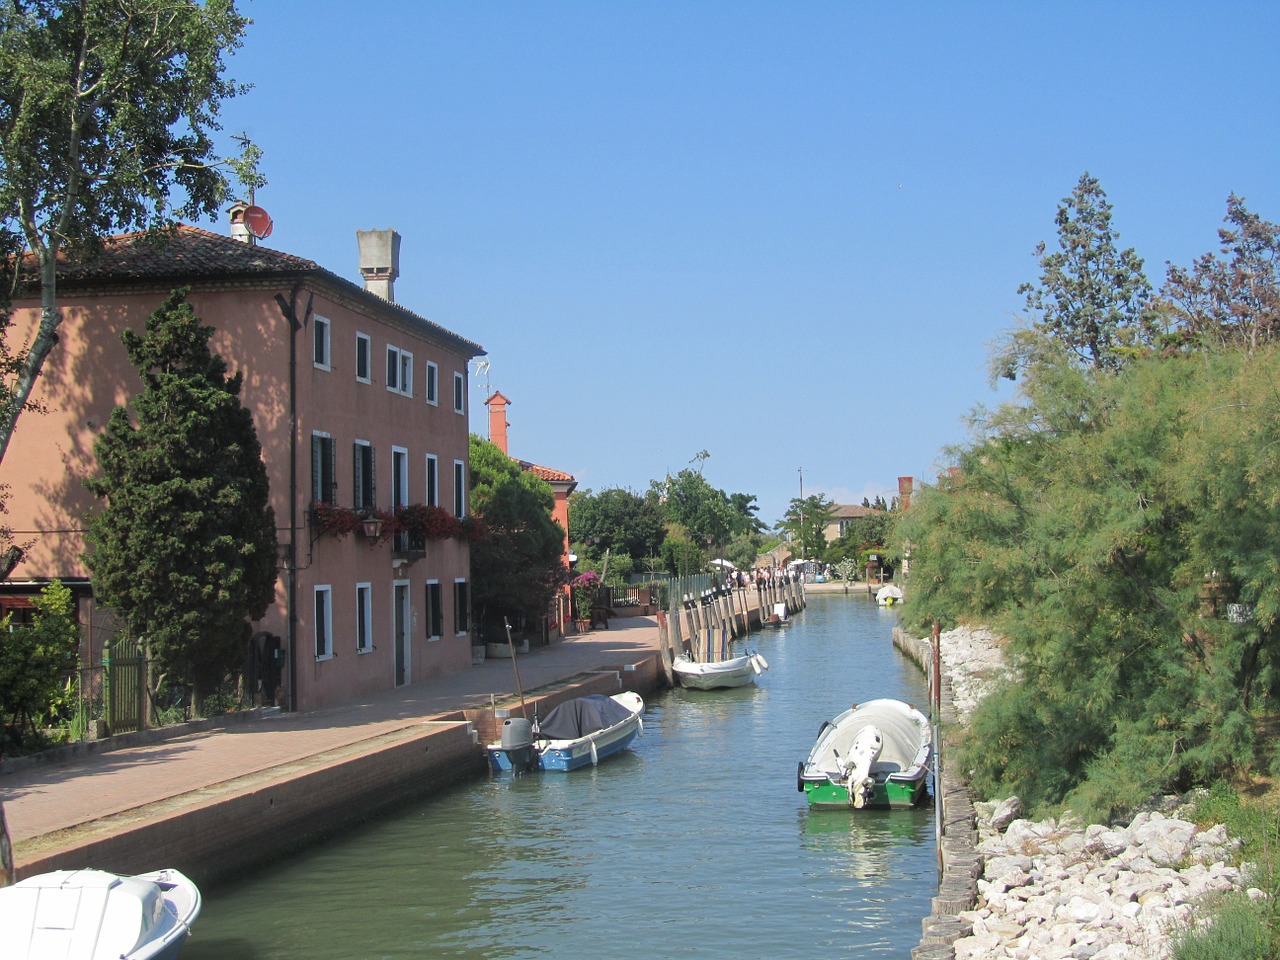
x: 324, y: 622
x: 433, y: 383
x: 433, y: 481
x: 461, y: 608
x: 364, y: 618
x: 324, y: 478
x: 365, y: 497
x: 459, y: 488
x: 364, y: 358
x: 435, y: 611
x: 459, y: 393
x: 320, y: 342
x: 400, y: 371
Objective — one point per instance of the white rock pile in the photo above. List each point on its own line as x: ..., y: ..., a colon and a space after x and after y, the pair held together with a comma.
x: 1061, y: 890
x: 1053, y: 890
x: 973, y: 662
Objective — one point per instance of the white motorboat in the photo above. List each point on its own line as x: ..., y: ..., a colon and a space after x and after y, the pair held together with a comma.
x: 95, y: 915
x: 732, y: 672
x: 889, y: 595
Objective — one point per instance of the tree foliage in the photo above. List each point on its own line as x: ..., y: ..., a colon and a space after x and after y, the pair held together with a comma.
x: 518, y: 563
x: 1091, y: 297
x: 1232, y: 299
x: 37, y: 662
x: 1117, y: 525
x: 185, y: 546
x: 107, y: 113
x: 806, y: 521
x: 617, y: 520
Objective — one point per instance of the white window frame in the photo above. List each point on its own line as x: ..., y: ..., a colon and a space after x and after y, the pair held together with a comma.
x: 432, y: 388
x: 322, y: 608
x: 432, y: 481
x: 367, y: 375
x: 364, y: 618
x: 321, y: 343
x: 459, y: 489
x: 399, y: 371
x: 459, y: 393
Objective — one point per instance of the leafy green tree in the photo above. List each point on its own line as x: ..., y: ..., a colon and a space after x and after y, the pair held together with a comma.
x: 617, y: 520
x: 681, y: 556
x: 185, y: 546
x: 38, y: 661
x: 518, y: 563
x: 1091, y: 297
x: 861, y: 534
x: 107, y: 109
x: 1232, y: 299
x: 703, y: 512
x: 805, y: 520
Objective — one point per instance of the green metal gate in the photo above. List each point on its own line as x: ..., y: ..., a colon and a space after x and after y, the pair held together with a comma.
x: 126, y: 664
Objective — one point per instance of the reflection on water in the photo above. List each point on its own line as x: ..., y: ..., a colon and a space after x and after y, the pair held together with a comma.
x: 695, y: 843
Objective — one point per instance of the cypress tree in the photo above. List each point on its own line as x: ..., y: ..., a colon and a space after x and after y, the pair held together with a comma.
x: 185, y: 545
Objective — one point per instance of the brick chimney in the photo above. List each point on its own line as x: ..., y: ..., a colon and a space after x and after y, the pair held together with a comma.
x: 379, y: 261
x: 497, y: 405
x: 905, y: 486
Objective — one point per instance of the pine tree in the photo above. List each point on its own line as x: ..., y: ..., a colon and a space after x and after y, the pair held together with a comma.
x: 185, y: 547
x: 1091, y: 297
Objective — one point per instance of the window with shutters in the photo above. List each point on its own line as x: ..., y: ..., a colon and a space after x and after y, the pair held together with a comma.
x: 364, y: 358
x: 324, y: 479
x: 365, y: 491
x: 461, y: 608
x: 320, y: 342
x: 435, y: 611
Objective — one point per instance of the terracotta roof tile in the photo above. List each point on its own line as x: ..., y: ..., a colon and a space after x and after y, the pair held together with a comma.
x: 191, y: 254
x: 546, y: 473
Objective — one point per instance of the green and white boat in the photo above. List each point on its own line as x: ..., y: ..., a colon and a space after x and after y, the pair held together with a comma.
x: 875, y: 755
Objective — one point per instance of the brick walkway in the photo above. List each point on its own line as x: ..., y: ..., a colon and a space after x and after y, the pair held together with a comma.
x: 48, y: 797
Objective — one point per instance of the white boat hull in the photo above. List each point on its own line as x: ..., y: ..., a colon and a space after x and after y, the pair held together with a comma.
x: 734, y: 672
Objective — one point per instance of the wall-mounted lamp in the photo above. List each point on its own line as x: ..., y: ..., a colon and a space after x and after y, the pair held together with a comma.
x: 372, y: 528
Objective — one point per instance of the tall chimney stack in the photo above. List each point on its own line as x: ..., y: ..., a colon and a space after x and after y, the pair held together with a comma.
x: 497, y: 405
x: 905, y: 486
x: 379, y: 261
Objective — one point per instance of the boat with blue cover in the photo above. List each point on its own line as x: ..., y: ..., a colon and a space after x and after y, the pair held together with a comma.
x: 578, y: 733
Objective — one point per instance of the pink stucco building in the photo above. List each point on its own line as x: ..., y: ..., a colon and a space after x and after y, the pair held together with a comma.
x: 358, y: 401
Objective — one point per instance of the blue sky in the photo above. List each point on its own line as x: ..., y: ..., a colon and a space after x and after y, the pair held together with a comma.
x: 783, y: 233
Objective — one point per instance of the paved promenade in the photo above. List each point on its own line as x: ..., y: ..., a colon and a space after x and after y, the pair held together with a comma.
x: 59, y: 797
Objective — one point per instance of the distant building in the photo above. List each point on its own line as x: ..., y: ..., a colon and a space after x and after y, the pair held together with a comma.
x: 842, y: 516
x: 358, y: 402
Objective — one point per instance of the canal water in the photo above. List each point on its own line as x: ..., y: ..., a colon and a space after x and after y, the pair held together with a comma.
x: 694, y: 843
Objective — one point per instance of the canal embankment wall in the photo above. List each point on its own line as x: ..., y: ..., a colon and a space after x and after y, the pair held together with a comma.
x: 959, y: 861
x: 228, y: 825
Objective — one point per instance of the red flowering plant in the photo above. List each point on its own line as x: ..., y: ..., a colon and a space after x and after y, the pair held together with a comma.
x: 426, y: 522
x: 335, y: 520
x: 585, y: 586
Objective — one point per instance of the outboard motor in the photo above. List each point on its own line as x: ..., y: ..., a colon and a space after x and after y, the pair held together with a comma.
x: 517, y: 743
x: 866, y: 751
